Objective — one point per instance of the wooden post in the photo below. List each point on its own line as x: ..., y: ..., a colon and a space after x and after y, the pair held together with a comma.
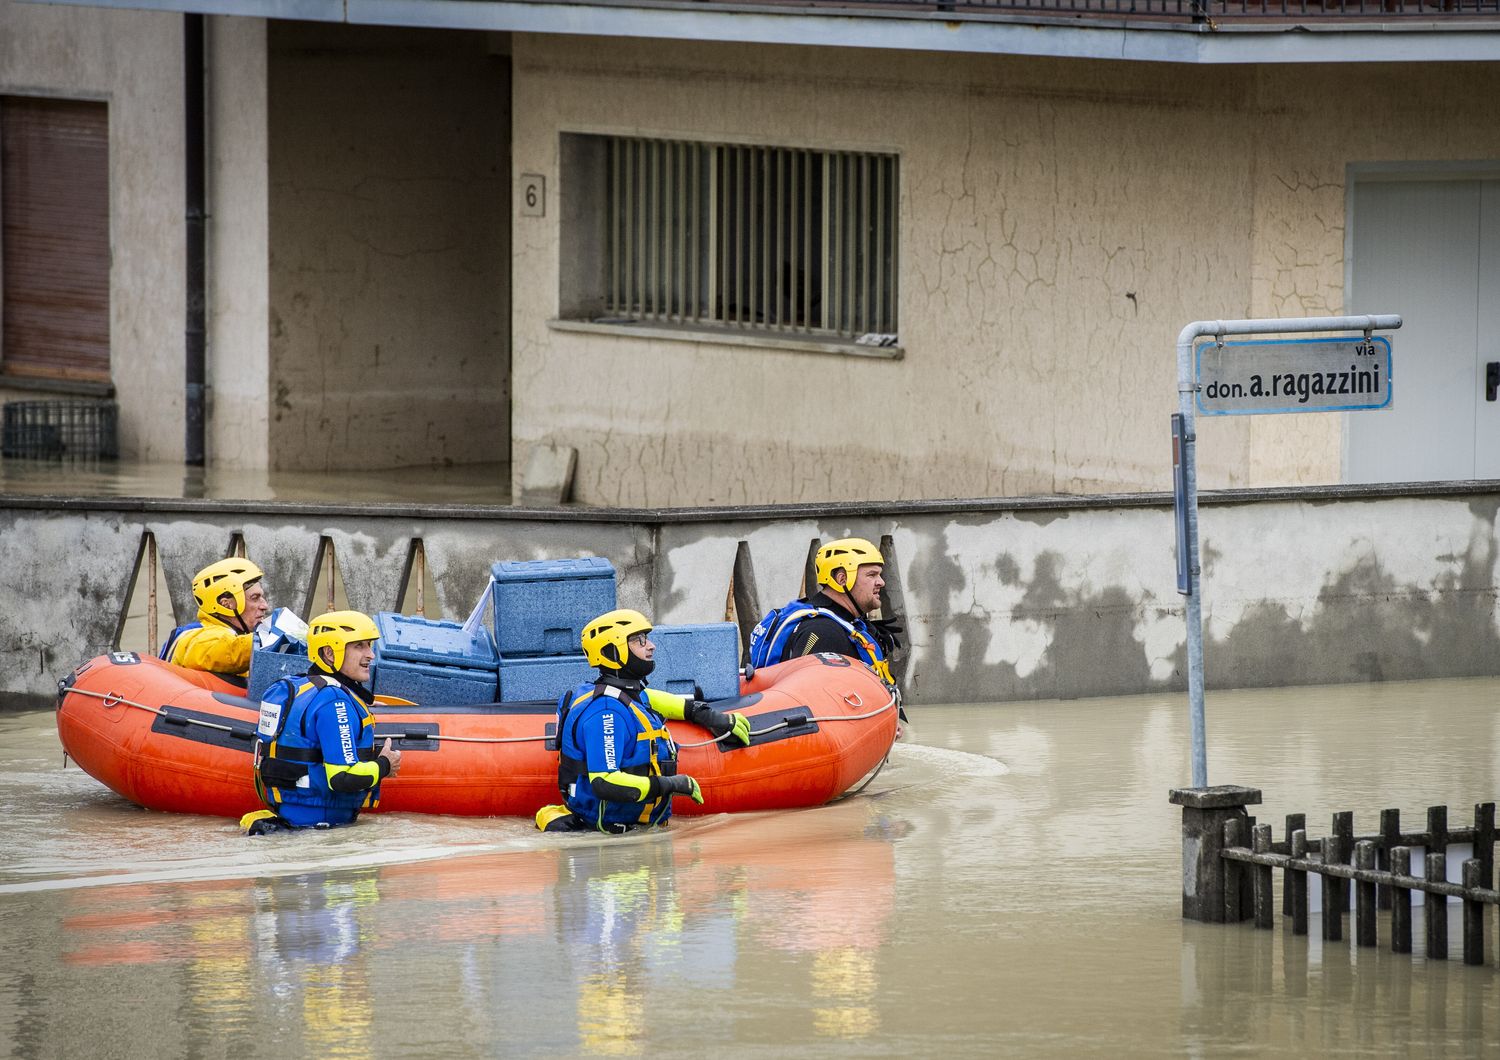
x: 1343, y: 827
x: 1265, y: 906
x: 1400, y: 901
x: 1435, y: 911
x: 1484, y: 842
x: 1364, y: 906
x: 1437, y: 830
x: 1297, y: 884
x: 1333, y: 906
x: 1390, y: 836
x: 1294, y: 822
x: 151, y: 612
x: 1204, y: 813
x: 1473, y: 916
x: 1234, y: 871
x: 420, y: 557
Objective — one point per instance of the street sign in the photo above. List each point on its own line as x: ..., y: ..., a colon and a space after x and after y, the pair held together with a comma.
x: 1180, y: 501
x: 1257, y: 376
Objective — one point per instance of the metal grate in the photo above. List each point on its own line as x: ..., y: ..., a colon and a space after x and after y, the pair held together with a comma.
x: 765, y: 238
x: 65, y: 429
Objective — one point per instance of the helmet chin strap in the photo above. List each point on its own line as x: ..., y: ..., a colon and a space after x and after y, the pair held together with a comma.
x: 237, y: 614
x: 853, y: 603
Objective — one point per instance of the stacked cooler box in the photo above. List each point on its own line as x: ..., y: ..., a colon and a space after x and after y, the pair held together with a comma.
x: 540, y: 607
x: 436, y: 664
x: 267, y: 667
x: 702, y: 660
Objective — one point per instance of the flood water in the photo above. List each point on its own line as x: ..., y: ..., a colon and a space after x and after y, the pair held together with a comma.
x: 1009, y: 885
x: 460, y: 484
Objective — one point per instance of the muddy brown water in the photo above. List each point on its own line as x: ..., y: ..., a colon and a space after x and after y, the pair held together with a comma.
x: 1008, y: 886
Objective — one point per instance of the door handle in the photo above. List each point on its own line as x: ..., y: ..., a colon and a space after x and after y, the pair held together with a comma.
x: 1491, y: 380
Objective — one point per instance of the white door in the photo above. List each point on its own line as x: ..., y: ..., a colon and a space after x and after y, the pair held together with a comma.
x: 1429, y: 250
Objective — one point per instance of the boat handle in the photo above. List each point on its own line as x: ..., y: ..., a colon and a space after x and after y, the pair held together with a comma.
x: 852, y: 698
x: 112, y: 700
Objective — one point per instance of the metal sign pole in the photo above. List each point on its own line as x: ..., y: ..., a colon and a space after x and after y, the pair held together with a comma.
x: 1187, y: 387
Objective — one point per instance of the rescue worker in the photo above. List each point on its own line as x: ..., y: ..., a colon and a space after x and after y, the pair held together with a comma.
x: 231, y: 603
x: 850, y: 575
x: 618, y: 765
x: 316, y: 764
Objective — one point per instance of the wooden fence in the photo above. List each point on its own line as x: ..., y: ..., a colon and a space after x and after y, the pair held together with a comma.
x: 1230, y: 871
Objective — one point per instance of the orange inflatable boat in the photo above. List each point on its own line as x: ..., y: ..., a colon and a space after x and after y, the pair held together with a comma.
x: 167, y: 738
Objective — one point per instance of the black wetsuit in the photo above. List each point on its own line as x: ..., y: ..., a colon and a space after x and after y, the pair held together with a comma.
x: 820, y: 633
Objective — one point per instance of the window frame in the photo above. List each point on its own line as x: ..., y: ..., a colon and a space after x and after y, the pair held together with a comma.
x: 668, y: 238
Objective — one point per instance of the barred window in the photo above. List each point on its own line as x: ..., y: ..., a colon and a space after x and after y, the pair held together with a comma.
x: 765, y: 239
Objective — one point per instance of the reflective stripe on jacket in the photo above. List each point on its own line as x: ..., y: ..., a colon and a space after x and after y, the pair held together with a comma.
x: 316, y: 761
x: 606, y: 730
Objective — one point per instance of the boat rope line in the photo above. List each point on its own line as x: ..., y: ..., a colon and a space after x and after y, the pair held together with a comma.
x: 800, y: 721
x: 114, y: 699
x: 867, y: 781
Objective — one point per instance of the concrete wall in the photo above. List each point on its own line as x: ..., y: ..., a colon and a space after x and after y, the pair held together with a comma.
x: 239, y: 371
x: 133, y: 62
x: 1060, y: 222
x: 389, y: 248
x: 1002, y: 601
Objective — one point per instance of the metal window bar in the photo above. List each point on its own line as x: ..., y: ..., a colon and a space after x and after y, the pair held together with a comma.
x: 829, y: 244
x: 759, y: 238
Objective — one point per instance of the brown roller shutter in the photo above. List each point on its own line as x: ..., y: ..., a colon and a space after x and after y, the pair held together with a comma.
x: 54, y: 207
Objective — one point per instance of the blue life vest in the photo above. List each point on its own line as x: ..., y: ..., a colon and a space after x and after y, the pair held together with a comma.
x: 602, y: 729
x: 298, y: 716
x: 165, y: 655
x: 769, y: 638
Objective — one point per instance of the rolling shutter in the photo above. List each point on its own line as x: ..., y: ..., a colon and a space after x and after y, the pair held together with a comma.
x: 54, y: 207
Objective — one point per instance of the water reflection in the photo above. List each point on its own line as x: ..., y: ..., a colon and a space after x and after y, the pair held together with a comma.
x: 597, y: 947
x: 459, y: 484
x: 1331, y: 998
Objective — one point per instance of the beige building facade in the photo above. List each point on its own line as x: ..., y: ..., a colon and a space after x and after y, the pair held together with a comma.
x: 401, y: 221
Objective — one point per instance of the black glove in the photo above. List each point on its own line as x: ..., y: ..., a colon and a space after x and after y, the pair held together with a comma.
x: 681, y: 784
x: 887, y: 632
x: 716, y: 721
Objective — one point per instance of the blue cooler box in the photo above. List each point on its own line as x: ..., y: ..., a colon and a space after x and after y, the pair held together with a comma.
x: 439, y: 664
x: 542, y: 605
x: 413, y: 638
x: 268, y: 667
x: 707, y: 656
x: 542, y: 677
x: 433, y: 685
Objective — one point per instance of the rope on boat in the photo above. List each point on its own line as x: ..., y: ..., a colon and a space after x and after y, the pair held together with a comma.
x: 114, y: 699
x: 810, y: 719
x: 867, y: 781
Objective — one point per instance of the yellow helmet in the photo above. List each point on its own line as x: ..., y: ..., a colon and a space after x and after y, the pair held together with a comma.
x: 847, y: 554
x: 337, y: 630
x: 604, y: 638
x: 233, y: 576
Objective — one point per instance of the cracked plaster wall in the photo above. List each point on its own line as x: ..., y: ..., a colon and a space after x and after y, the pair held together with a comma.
x: 1060, y: 222
x: 1308, y: 128
x: 389, y: 255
